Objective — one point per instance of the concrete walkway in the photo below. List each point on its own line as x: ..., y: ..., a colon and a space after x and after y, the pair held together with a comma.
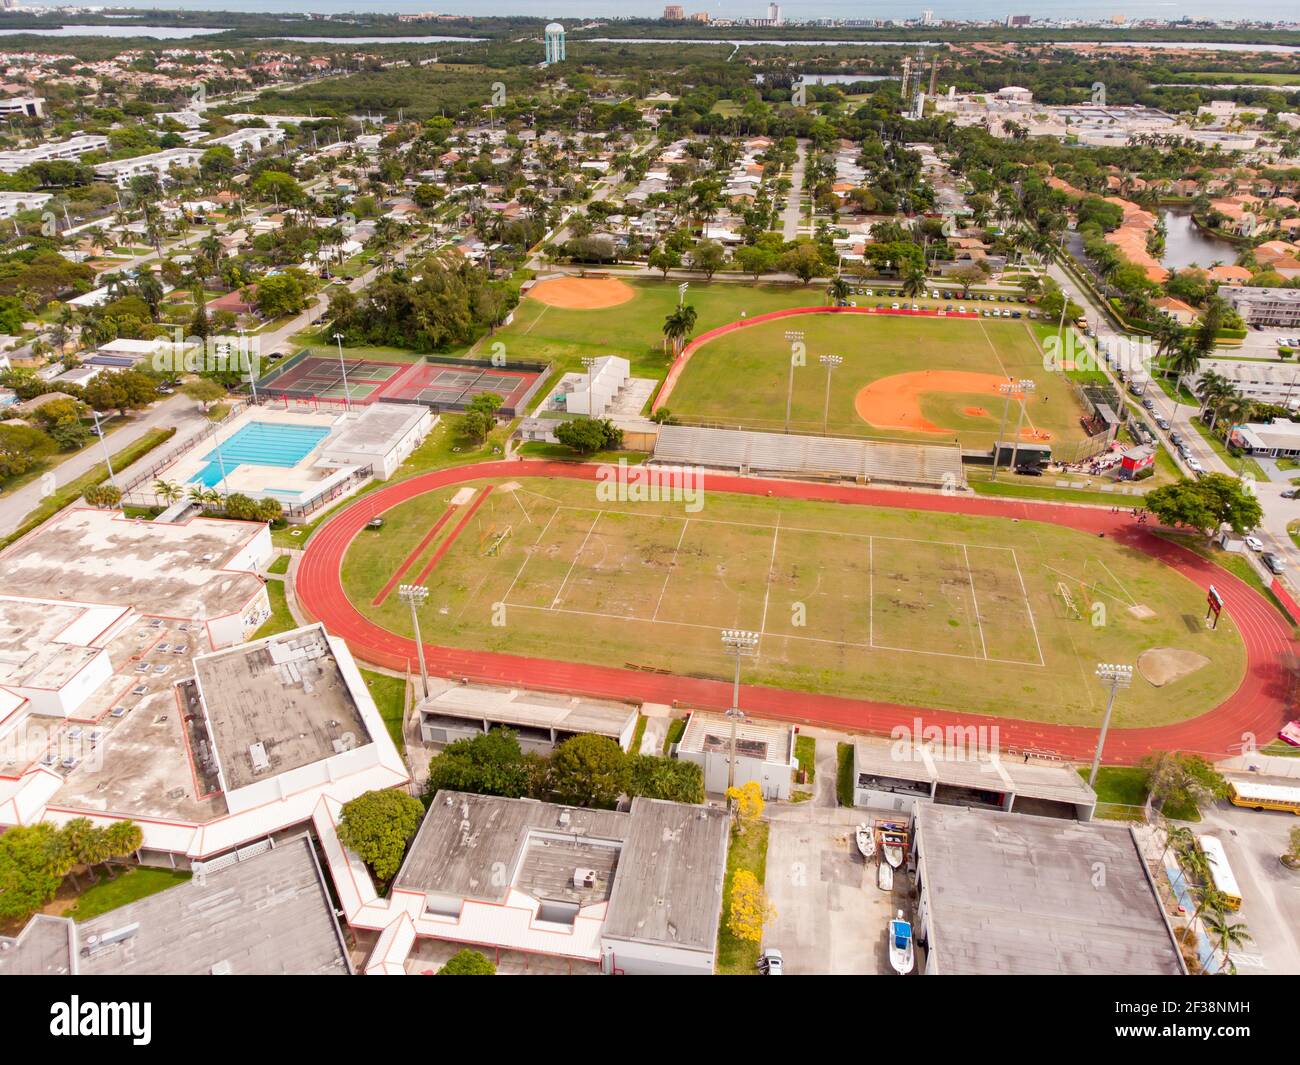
x: 793, y: 213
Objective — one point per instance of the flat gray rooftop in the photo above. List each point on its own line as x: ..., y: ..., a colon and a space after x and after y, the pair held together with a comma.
x: 466, y: 840
x: 96, y: 556
x: 526, y: 709
x: 1016, y: 894
x: 43, y: 948
x: 377, y: 430
x: 669, y: 883
x: 711, y: 733
x: 268, y: 914
x: 277, y: 704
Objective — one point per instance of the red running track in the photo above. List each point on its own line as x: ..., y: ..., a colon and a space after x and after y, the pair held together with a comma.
x: 1258, y: 708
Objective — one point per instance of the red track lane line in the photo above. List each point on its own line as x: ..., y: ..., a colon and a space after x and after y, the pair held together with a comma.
x: 1258, y: 708
x: 409, y: 561
x: 451, y: 539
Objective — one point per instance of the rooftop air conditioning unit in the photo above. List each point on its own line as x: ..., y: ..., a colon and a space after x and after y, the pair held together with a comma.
x: 584, y: 878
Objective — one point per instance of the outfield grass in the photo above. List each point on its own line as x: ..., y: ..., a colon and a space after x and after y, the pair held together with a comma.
x: 743, y: 378
x: 923, y: 609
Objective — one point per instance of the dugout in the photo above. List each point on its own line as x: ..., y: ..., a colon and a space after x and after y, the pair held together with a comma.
x: 1025, y: 454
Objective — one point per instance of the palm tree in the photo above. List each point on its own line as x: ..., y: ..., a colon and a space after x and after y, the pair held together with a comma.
x: 1167, y: 335
x: 838, y: 290
x: 1228, y: 935
x: 679, y: 325
x: 196, y: 494
x: 1233, y: 409
x: 913, y: 280
x: 161, y: 489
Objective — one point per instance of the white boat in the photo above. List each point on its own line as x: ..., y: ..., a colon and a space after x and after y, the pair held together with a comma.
x: 885, y: 877
x: 892, y: 845
x: 866, y: 841
x: 901, y: 955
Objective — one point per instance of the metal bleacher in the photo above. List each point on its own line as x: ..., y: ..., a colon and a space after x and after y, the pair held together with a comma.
x: 810, y: 456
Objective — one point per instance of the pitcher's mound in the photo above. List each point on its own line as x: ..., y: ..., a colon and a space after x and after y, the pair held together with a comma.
x: 975, y: 412
x: 1164, y: 665
x: 582, y: 293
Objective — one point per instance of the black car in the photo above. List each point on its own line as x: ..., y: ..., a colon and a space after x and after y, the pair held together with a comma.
x: 1291, y: 493
x: 1028, y: 469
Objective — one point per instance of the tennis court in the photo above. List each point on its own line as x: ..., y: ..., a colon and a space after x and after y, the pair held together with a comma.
x: 314, y: 377
x: 455, y: 385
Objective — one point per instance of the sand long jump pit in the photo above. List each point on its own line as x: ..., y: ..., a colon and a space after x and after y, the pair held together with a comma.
x: 582, y: 293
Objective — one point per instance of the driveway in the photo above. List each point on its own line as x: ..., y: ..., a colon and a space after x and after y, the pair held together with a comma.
x: 792, y: 214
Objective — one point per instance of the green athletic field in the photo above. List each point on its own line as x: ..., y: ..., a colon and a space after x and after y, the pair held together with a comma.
x: 741, y: 379
x: 974, y: 614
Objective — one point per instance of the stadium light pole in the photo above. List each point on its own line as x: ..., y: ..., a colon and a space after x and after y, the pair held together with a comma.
x: 681, y: 292
x: 742, y: 644
x: 794, y: 336
x: 830, y: 362
x: 1025, y: 387
x: 108, y: 459
x: 1116, y: 677
x: 415, y: 595
x: 343, y: 369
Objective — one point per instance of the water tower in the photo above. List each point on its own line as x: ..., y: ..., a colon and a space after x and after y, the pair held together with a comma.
x: 554, y: 43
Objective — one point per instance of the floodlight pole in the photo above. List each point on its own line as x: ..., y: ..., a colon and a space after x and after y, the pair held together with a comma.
x: 1116, y: 677
x: 589, y: 361
x: 739, y: 643
x: 347, y: 393
x: 415, y: 595
x: 830, y: 362
x: 108, y: 459
x: 794, y: 336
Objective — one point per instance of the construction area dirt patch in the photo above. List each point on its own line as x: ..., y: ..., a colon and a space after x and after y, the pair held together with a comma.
x: 582, y: 293
x: 895, y: 402
x: 1164, y: 665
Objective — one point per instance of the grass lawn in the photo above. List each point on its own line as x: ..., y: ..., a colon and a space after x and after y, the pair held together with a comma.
x: 743, y: 379
x: 950, y: 611
x: 1008, y: 486
x: 1234, y: 563
x: 280, y: 620
x: 844, y: 773
x: 637, y: 734
x: 389, y: 694
x: 280, y: 564
x: 1127, y: 786
x: 805, y: 750
x: 1241, y: 464
x: 538, y: 449
x: 738, y: 957
x: 128, y: 885
x: 676, y: 730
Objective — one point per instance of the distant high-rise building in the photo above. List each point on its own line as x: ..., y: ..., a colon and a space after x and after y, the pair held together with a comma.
x: 674, y: 13
x: 927, y: 18
x: 1018, y: 20
x: 774, y: 14
x: 554, y: 43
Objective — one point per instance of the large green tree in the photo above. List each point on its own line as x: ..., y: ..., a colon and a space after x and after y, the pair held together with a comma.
x: 588, y: 770
x: 378, y: 825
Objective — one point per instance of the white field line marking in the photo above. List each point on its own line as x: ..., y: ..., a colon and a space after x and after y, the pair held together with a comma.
x: 515, y: 496
x: 771, y: 568
x: 1090, y: 585
x: 528, y: 555
x: 970, y: 575
x: 1127, y: 595
x: 871, y: 591
x: 672, y: 565
x: 1028, y: 609
x: 577, y: 555
x: 779, y: 636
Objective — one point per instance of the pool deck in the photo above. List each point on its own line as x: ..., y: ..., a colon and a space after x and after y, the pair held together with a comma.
x: 303, y: 479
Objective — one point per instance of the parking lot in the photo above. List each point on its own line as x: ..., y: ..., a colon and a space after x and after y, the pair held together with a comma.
x: 1270, y: 893
x: 831, y: 916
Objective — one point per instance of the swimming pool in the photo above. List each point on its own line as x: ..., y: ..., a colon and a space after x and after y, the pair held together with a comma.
x: 259, y: 444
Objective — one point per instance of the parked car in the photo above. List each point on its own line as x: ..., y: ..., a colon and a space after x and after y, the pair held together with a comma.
x: 770, y: 962
x: 1176, y: 438
x: 1162, y: 422
x: 1149, y: 403
x: 1029, y: 469
x: 1291, y: 493
x: 1274, y: 564
x: 1254, y: 543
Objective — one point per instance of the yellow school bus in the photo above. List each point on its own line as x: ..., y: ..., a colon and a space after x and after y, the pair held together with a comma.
x: 1258, y: 796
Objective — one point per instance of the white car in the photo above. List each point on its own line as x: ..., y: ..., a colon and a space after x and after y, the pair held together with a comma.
x: 770, y: 963
x: 1254, y: 543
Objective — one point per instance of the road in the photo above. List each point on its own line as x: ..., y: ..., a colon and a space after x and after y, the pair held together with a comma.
x: 793, y: 212
x: 178, y: 411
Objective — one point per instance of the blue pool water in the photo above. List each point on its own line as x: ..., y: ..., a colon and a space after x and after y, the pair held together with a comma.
x: 259, y: 444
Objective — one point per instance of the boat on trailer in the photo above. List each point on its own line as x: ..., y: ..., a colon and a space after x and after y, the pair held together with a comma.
x: 902, y: 955
x: 893, y: 845
x: 885, y: 876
